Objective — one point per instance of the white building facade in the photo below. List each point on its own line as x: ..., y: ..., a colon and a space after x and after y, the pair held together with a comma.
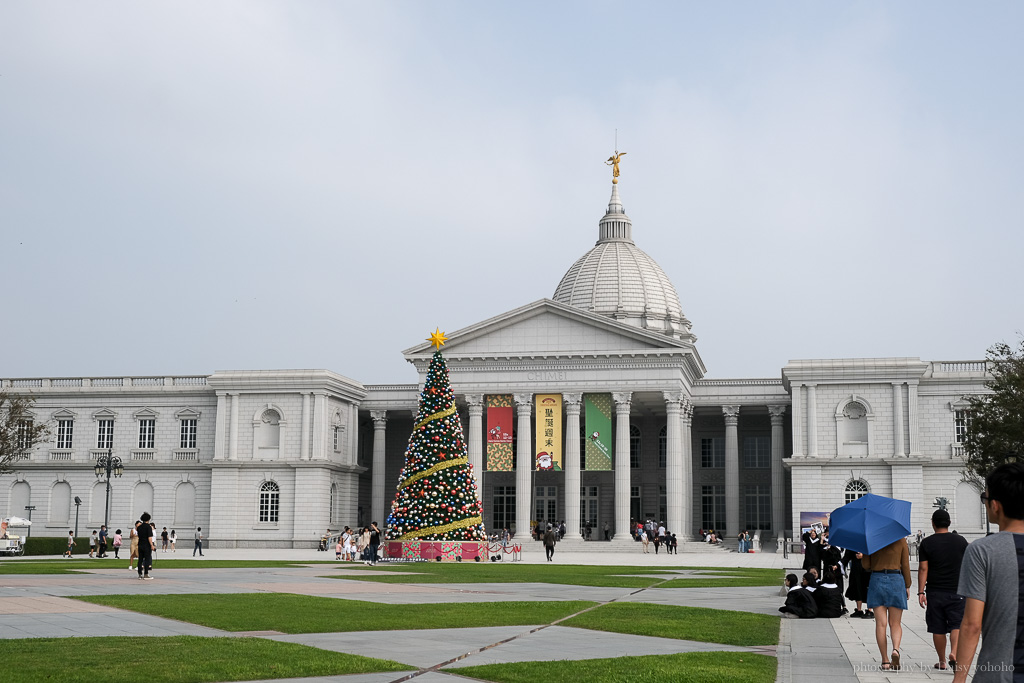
x: 273, y: 458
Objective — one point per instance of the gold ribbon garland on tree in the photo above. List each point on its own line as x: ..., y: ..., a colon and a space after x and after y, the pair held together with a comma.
x: 435, y: 416
x: 444, y: 528
x: 436, y: 468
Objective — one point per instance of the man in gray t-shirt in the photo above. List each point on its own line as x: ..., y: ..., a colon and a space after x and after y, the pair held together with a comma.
x: 990, y: 580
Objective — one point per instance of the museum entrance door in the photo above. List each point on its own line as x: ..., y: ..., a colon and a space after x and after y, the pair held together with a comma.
x: 588, y: 512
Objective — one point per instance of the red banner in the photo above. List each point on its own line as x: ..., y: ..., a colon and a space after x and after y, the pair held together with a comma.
x: 499, y: 433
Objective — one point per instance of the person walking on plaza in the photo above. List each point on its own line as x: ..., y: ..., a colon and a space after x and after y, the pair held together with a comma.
x: 199, y: 542
x: 938, y: 576
x: 644, y: 540
x: 991, y: 574
x: 117, y: 544
x: 92, y: 543
x: 857, y: 590
x: 147, y: 545
x: 165, y: 539
x: 103, y: 541
x: 71, y: 544
x: 549, y: 543
x: 607, y: 532
x: 888, y: 593
x: 133, y: 548
x: 174, y: 539
x: 374, y: 543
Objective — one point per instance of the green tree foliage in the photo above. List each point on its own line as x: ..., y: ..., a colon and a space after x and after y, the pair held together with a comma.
x: 995, y: 429
x: 19, y: 431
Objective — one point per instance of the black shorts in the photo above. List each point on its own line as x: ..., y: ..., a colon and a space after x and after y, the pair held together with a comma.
x: 945, y: 611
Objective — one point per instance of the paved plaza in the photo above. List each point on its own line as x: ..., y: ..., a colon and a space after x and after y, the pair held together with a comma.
x: 840, y: 650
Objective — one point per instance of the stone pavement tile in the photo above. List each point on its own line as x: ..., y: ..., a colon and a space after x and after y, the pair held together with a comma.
x: 114, y: 623
x: 47, y: 604
x: 561, y: 642
x: 421, y: 648
x: 760, y: 599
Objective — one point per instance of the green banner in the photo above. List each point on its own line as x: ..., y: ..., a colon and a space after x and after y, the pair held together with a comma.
x: 598, y: 409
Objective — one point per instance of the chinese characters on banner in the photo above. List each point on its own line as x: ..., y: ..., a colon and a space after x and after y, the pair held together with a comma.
x: 499, y: 433
x: 598, y: 415
x: 549, y: 432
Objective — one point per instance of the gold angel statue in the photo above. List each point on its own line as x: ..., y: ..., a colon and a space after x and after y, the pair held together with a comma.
x: 613, y: 161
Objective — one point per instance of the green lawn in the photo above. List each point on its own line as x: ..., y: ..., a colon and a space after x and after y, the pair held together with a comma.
x: 310, y: 614
x: 706, y: 667
x: 686, y: 623
x: 176, y: 659
x: 577, y: 575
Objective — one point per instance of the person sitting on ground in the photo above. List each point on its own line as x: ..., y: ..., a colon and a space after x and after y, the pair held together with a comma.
x: 800, y: 602
x: 829, y: 596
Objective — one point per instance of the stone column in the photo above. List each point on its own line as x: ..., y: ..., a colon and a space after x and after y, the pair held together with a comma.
x: 233, y: 430
x: 776, y: 413
x: 897, y: 415
x: 476, y: 437
x: 732, y: 472
x: 304, y: 441
x: 812, y: 421
x: 572, y: 465
x: 622, y: 479
x: 320, y: 426
x: 524, y: 464
x: 915, y: 447
x: 380, y: 425
x: 674, y: 462
x: 686, y: 525
x: 219, y: 450
x: 798, y: 420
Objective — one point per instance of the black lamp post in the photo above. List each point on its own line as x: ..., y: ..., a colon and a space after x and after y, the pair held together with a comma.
x: 108, y: 464
x: 29, y: 509
x: 78, y: 502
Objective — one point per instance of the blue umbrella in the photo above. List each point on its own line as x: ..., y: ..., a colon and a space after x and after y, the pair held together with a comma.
x: 869, y: 523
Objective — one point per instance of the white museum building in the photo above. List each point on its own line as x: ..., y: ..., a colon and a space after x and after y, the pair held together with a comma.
x: 272, y: 458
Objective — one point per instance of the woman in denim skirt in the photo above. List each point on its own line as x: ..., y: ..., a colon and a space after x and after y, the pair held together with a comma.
x: 888, y: 592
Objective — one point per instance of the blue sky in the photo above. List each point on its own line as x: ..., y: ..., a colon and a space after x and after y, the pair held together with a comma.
x: 187, y: 187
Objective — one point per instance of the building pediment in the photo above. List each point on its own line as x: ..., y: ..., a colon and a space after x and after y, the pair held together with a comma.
x: 547, y: 328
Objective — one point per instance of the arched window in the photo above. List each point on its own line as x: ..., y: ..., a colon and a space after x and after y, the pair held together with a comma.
x: 634, y: 447
x: 21, y: 495
x: 185, y: 504
x: 270, y: 502
x: 268, y: 435
x: 663, y: 447
x: 142, y: 500
x: 856, y: 488
x: 60, y: 503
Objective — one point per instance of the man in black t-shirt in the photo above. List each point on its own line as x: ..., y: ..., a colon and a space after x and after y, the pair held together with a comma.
x: 940, y: 556
x: 374, y: 544
x: 146, y: 547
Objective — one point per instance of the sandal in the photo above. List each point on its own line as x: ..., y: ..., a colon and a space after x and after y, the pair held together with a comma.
x: 952, y: 663
x: 941, y: 666
x: 886, y: 666
x: 895, y: 657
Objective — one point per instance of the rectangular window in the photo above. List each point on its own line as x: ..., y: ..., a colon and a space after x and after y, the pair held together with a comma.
x: 337, y: 438
x: 961, y: 418
x: 663, y: 448
x: 65, y: 434
x: 147, y: 433
x: 757, y: 452
x: 189, y: 428
x: 504, y: 507
x: 663, y: 504
x: 712, y: 452
x: 635, y: 503
x: 545, y: 506
x: 757, y: 506
x: 712, y: 507
x: 24, y: 436
x: 105, y: 434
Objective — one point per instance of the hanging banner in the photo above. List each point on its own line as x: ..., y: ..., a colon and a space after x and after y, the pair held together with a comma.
x: 549, y: 432
x: 499, y: 433
x: 598, y: 448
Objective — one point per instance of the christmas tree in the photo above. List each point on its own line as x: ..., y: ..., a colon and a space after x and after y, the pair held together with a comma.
x: 437, y: 496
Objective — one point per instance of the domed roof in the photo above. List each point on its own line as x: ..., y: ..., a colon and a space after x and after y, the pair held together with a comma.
x: 618, y: 279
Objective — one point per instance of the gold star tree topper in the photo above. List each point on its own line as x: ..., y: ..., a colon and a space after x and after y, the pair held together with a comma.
x: 437, y: 338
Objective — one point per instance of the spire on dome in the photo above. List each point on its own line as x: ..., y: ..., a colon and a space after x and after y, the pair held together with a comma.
x: 615, y: 226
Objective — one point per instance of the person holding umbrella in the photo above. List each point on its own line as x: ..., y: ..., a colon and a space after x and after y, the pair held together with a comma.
x: 877, y: 528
